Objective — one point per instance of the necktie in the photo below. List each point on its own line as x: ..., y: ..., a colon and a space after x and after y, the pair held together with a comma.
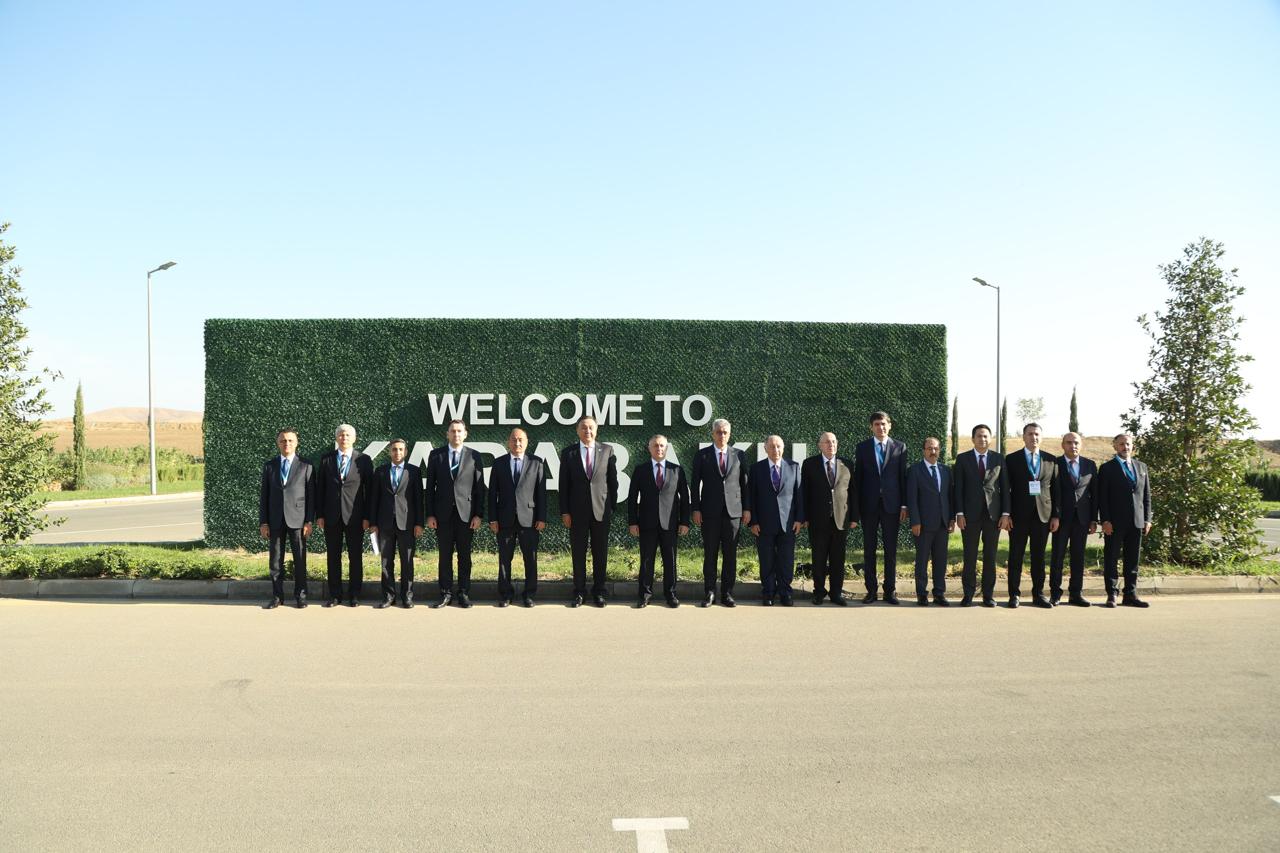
x: 777, y: 478
x: 937, y: 480
x: 1034, y: 465
x: 515, y: 473
x: 1075, y: 470
x: 831, y: 473
x: 587, y: 461
x: 982, y: 466
x: 453, y: 462
x: 879, y: 456
x: 657, y: 476
x: 284, y: 471
x: 342, y: 465
x: 395, y: 477
x: 1128, y: 472
x: 723, y: 468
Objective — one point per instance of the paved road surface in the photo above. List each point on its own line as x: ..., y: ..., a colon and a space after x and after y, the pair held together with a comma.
x: 197, y: 726
x: 167, y: 520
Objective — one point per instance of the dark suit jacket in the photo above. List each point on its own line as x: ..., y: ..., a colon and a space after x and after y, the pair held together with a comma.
x: 583, y: 500
x: 929, y: 506
x: 1120, y: 501
x: 712, y: 493
x: 525, y: 502
x: 824, y: 503
x: 1023, y: 508
x: 880, y: 491
x: 338, y: 500
x: 446, y: 494
x: 1078, y: 499
x: 970, y: 495
x: 775, y: 512
x: 400, y: 508
x: 292, y: 504
x: 652, y: 509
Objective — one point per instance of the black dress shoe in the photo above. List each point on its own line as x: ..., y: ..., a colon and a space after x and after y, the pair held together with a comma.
x: 672, y: 601
x: 1055, y: 599
x: 353, y: 602
x: 869, y: 598
x: 1013, y: 602
x: 272, y: 604
x: 407, y: 601
x: 817, y: 598
x: 504, y: 602
x: 389, y: 601
x: 786, y: 601
x: 642, y: 601
x: 708, y: 600
x: 445, y: 598
x: 333, y: 602
x: 967, y: 601
x: 988, y: 602
x: 941, y: 601
x: 727, y: 600
x: 891, y: 598
x: 840, y: 601
x: 528, y: 601
x: 576, y: 601
x: 922, y: 600
x: 1079, y: 601
x: 1111, y: 600
x: 1041, y: 601
x: 464, y: 600
x: 767, y: 601
x: 599, y: 601
x: 300, y: 602
x: 1132, y: 600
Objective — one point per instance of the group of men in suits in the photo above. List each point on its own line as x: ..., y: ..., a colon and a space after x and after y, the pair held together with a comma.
x: 1034, y: 496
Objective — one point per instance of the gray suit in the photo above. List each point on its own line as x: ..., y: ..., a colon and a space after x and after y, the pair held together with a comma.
x: 285, y: 506
x: 929, y: 505
x: 516, y: 507
x: 980, y: 500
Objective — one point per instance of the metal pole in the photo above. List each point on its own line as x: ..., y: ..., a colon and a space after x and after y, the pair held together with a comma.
x: 999, y: 420
x: 151, y: 411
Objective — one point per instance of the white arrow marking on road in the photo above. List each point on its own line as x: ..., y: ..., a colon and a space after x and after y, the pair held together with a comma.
x: 1276, y: 798
x: 651, y: 832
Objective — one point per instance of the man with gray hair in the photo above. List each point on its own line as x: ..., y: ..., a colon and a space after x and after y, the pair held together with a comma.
x: 344, y: 478
x: 718, y: 487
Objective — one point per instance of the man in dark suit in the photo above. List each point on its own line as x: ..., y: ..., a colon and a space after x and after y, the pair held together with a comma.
x: 1031, y: 476
x: 929, y: 504
x: 455, y: 508
x: 981, y: 513
x: 777, y: 514
x: 1124, y: 505
x: 880, y: 476
x: 286, y: 508
x: 588, y: 494
x: 831, y: 505
x: 658, y: 512
x: 342, y: 492
x: 395, y: 518
x: 1077, y: 520
x: 518, y: 513
x: 717, y: 485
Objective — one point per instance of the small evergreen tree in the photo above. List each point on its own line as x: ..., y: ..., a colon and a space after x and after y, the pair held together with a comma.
x: 79, y: 451
x: 1004, y: 425
x: 955, y: 428
x: 1073, y: 424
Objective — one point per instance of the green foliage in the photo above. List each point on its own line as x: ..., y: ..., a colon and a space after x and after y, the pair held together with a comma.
x: 79, y: 450
x: 112, y: 467
x: 1266, y: 482
x: 117, y: 561
x: 1030, y: 409
x: 1189, y: 418
x: 796, y: 379
x: 24, y: 452
x: 1073, y: 425
x: 1004, y: 425
x: 955, y: 428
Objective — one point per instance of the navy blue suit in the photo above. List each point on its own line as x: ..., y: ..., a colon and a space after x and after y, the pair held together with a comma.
x: 929, y: 503
x: 882, y: 493
x: 1077, y: 509
x: 1126, y: 504
x: 776, y: 512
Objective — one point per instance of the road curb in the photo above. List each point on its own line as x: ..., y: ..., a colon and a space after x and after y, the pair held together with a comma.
x: 52, y: 506
x: 623, y: 592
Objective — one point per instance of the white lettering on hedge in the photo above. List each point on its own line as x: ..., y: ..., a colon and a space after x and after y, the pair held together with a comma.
x: 490, y: 408
x: 561, y: 418
x: 688, y: 408
x: 482, y: 410
x: 527, y: 413
x: 666, y: 400
x: 445, y: 407
x: 601, y: 409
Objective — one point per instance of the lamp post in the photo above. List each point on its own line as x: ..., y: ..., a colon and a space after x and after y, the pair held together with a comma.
x: 151, y: 409
x: 999, y: 424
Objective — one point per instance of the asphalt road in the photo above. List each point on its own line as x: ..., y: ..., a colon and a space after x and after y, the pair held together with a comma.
x: 200, y: 726
x: 167, y: 520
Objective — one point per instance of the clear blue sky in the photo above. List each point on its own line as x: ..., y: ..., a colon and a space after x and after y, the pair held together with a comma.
x: 825, y: 161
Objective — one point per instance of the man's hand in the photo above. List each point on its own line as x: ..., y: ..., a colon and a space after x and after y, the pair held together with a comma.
x: 1093, y: 527
x: 431, y: 522
x: 365, y: 524
x: 633, y: 529
x: 755, y: 529
x: 903, y: 515
x: 475, y: 522
x: 567, y: 521
x: 417, y: 531
x: 915, y: 530
x: 306, y: 529
x: 493, y: 525
x: 697, y: 518
x: 853, y: 525
x: 682, y: 529
x: 796, y: 526
x: 1006, y: 523
x: 320, y: 523
x: 540, y: 525
x: 746, y: 517
x: 372, y: 528
x: 1054, y: 524
x: 1146, y: 528
x: 959, y: 522
x: 1107, y: 528
x: 264, y: 531
x: 951, y: 527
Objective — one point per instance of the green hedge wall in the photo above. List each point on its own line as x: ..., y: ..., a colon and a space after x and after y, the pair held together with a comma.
x: 1266, y: 482
x: 794, y: 379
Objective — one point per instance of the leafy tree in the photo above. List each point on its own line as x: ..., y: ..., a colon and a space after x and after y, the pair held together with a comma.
x: 1074, y: 424
x: 1189, y: 420
x: 79, y: 450
x: 25, y: 454
x: 1004, y: 425
x: 955, y: 428
x: 1030, y: 409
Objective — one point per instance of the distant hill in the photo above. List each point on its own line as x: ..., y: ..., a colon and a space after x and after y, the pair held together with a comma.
x: 138, y: 415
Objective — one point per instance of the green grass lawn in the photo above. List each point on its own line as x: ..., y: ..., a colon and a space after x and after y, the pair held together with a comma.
x: 1269, y: 506
x: 194, y: 561
x: 125, y: 491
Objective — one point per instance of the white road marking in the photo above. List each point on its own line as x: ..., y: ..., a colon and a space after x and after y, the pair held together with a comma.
x: 114, y: 529
x: 651, y: 832
x: 1277, y: 799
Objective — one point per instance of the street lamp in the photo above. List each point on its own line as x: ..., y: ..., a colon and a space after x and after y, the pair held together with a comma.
x: 151, y: 409
x: 999, y: 422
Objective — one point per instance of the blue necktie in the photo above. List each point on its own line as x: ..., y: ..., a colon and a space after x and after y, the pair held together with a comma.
x: 284, y: 471
x: 937, y: 479
x: 395, y: 477
x: 453, y: 463
x: 515, y: 473
x: 342, y: 465
x: 879, y: 456
x: 777, y: 479
x: 1128, y: 472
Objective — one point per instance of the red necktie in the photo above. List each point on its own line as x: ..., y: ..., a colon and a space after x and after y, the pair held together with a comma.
x: 588, y: 461
x: 982, y: 466
x: 723, y: 469
x: 659, y: 477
